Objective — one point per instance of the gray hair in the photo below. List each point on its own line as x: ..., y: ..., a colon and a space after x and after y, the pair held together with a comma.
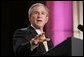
x: 37, y: 4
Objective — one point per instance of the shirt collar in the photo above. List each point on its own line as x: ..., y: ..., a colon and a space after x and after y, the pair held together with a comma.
x: 37, y: 30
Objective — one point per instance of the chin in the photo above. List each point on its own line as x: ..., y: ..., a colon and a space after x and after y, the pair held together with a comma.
x: 39, y: 26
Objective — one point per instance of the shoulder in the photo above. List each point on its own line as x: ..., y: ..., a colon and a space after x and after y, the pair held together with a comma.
x: 26, y: 30
x: 21, y: 31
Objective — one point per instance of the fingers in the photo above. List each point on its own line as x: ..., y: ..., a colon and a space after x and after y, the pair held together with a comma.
x: 34, y: 41
x: 40, y: 38
x: 47, y: 39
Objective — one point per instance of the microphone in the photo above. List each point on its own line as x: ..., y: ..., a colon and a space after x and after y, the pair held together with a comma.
x: 80, y: 27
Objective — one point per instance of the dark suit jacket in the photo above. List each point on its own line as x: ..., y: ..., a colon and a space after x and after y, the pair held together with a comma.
x: 21, y: 43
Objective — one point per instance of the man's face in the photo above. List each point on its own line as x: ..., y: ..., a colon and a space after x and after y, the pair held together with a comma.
x: 39, y: 17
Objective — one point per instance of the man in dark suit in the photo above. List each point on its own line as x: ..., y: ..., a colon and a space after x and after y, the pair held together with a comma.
x: 32, y: 41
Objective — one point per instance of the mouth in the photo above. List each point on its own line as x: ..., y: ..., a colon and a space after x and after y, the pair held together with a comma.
x: 39, y: 20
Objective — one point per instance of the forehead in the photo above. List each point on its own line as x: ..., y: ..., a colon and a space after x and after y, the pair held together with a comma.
x: 39, y: 8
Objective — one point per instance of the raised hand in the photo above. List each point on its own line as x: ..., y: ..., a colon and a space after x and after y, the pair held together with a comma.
x: 40, y: 38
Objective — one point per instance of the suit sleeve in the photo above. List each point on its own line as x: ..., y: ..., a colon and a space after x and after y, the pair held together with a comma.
x: 21, y: 45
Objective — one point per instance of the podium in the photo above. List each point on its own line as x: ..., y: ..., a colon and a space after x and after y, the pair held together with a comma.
x: 63, y: 49
x: 77, y: 47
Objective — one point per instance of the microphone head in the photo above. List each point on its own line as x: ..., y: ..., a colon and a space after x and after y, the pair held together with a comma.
x: 80, y: 27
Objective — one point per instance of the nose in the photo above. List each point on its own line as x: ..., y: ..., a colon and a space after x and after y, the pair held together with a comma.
x: 39, y: 16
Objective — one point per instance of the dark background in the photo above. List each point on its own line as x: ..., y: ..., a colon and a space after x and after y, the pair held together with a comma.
x: 13, y: 16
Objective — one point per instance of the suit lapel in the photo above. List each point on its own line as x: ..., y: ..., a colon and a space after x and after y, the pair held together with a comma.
x: 31, y: 33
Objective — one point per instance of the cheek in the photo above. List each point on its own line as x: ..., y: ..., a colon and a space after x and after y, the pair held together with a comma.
x: 45, y: 20
x: 33, y: 17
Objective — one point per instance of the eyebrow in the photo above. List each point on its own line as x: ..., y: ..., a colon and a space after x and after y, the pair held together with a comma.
x: 38, y: 11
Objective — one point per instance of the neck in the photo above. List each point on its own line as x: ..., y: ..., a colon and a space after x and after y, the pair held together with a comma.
x: 39, y: 28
